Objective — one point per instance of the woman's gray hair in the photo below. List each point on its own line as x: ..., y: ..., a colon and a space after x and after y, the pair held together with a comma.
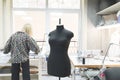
x: 27, y: 28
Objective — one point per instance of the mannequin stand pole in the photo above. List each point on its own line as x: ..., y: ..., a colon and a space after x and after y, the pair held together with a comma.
x: 59, y: 78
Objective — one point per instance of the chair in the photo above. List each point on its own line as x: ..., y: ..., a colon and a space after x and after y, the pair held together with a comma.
x: 112, y: 73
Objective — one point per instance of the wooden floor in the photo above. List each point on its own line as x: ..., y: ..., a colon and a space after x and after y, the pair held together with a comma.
x: 64, y: 78
x: 44, y: 77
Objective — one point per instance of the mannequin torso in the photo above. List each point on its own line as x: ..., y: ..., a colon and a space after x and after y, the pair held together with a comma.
x: 58, y: 60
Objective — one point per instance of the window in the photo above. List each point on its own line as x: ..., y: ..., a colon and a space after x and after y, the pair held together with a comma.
x: 29, y: 3
x: 64, y: 4
x: 44, y: 15
x: 35, y: 18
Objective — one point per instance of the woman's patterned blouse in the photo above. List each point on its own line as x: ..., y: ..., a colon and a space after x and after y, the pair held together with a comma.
x: 19, y: 44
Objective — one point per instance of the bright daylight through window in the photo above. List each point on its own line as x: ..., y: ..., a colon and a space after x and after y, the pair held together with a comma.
x: 44, y: 15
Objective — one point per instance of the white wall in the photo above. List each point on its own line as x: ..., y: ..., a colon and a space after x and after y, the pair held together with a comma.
x: 93, y: 37
x: 93, y: 34
x: 5, y: 21
x: 96, y: 38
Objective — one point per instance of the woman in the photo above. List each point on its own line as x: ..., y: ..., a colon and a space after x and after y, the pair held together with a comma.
x: 19, y: 44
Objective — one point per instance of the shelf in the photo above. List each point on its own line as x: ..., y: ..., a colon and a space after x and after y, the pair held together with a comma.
x: 109, y: 26
x: 112, y: 9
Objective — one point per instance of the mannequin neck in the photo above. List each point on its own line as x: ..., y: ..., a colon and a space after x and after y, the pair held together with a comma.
x: 60, y: 27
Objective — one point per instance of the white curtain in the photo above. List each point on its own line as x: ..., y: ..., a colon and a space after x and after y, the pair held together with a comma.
x: 5, y: 21
x: 1, y: 22
x: 83, y: 23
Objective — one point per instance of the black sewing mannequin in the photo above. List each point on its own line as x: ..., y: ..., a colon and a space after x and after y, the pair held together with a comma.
x: 58, y: 60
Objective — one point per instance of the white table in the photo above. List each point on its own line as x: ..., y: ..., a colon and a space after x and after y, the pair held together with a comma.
x: 92, y: 63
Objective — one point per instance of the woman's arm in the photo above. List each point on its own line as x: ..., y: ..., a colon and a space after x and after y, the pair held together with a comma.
x: 33, y: 45
x: 7, y: 47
